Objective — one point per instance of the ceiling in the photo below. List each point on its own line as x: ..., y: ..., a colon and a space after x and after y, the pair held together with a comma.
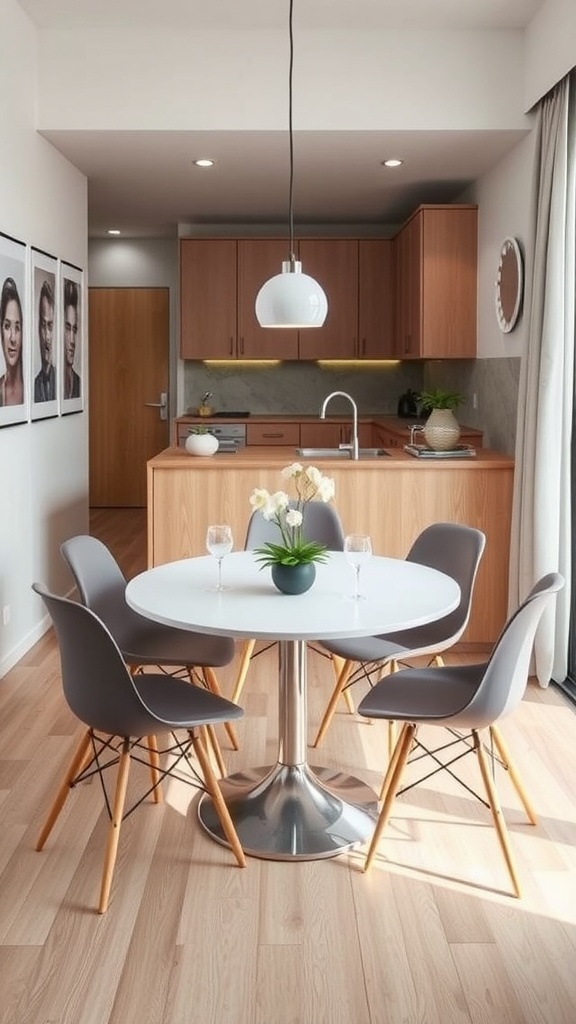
x: 144, y: 183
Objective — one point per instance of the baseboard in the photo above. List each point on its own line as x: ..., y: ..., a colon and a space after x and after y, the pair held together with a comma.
x: 13, y: 657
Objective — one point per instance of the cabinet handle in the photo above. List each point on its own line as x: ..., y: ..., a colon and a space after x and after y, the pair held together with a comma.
x: 231, y: 346
x: 363, y: 347
x: 278, y: 433
x: 241, y: 346
x: 407, y: 342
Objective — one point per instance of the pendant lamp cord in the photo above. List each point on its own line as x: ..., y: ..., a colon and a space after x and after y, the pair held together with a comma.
x: 290, y: 134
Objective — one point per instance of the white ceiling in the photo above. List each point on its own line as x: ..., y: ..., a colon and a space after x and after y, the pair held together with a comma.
x: 140, y: 181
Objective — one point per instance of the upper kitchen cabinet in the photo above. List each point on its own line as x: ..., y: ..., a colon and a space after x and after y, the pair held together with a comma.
x: 334, y: 264
x: 374, y: 298
x: 434, y: 277
x: 258, y: 260
x: 219, y: 281
x: 207, y: 298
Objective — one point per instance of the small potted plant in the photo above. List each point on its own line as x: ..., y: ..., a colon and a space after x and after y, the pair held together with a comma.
x: 201, y: 441
x: 441, y: 430
x: 292, y: 559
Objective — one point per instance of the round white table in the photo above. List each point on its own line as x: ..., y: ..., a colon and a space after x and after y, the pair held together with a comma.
x: 292, y: 810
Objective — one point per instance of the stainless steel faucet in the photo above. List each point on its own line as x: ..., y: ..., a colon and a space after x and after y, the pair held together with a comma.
x: 353, y: 446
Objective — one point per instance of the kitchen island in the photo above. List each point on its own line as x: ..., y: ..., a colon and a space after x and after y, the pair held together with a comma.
x: 392, y: 499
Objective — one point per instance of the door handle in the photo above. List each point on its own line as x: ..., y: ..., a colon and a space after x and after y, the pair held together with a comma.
x: 162, y: 405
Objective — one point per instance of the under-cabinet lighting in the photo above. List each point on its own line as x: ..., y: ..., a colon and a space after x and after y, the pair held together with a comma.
x: 243, y: 363
x: 356, y: 364
x: 114, y: 231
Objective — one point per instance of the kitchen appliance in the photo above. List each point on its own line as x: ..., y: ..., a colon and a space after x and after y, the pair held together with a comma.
x: 231, y: 436
x: 408, y: 404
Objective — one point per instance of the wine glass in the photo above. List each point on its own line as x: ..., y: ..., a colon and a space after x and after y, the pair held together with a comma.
x: 219, y: 542
x: 357, y: 549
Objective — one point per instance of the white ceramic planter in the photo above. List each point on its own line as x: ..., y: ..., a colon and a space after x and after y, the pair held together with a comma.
x: 441, y: 430
x: 201, y: 444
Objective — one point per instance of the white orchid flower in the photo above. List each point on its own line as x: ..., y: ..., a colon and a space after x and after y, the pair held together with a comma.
x: 276, y: 503
x: 294, y: 469
x: 314, y: 475
x: 294, y: 517
x: 326, y: 488
x: 259, y: 497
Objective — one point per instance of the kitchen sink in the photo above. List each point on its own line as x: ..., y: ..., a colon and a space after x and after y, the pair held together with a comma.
x: 340, y: 453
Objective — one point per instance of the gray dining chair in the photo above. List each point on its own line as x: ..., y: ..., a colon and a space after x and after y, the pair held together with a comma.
x: 102, y: 587
x: 453, y: 549
x: 468, y: 700
x: 320, y: 523
x: 121, y: 712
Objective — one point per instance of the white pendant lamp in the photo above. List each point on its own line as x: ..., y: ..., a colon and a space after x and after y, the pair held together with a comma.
x: 291, y: 299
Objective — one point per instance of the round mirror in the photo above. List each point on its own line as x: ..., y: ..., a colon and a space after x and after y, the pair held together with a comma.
x: 509, y: 283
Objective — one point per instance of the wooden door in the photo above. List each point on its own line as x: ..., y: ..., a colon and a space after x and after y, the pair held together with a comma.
x: 334, y: 264
x: 208, y: 298
x: 129, y: 359
x: 258, y: 260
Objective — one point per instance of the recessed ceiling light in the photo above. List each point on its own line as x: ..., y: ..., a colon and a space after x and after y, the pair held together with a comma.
x: 392, y: 163
x: 203, y: 163
x: 113, y: 231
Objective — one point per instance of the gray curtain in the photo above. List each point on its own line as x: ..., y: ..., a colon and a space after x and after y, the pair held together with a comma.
x: 541, y: 516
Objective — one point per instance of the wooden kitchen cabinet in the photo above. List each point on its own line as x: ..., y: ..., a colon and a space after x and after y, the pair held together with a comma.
x: 207, y: 298
x: 375, y: 299
x: 273, y: 433
x: 434, y: 279
x: 258, y: 260
x: 219, y: 281
x: 333, y: 262
x: 330, y: 435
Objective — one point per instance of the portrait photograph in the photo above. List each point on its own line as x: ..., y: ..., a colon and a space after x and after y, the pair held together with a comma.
x: 71, y: 330
x: 43, y: 324
x: 14, y: 330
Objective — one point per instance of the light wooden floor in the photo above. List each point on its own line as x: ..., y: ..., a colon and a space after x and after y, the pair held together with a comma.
x: 429, y: 937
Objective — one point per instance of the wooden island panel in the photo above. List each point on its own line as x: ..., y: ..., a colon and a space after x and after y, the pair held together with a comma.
x: 392, y: 499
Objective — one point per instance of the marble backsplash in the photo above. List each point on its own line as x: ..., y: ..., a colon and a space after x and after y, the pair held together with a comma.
x: 494, y: 382
x: 294, y: 388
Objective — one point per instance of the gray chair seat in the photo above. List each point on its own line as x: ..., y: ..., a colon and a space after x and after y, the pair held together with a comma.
x: 451, y: 548
x: 123, y: 714
x: 466, y: 700
x: 102, y: 587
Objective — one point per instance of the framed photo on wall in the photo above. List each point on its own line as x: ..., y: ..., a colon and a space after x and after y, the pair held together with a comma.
x: 71, y: 320
x: 43, y: 321
x: 14, y: 333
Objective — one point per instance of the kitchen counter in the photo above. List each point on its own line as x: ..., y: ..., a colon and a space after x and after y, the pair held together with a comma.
x: 392, y: 499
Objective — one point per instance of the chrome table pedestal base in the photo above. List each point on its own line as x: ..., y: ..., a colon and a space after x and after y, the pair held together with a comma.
x: 290, y: 811
x: 294, y: 812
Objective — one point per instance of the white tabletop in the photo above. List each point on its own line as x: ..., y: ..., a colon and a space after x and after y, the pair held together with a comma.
x: 399, y: 595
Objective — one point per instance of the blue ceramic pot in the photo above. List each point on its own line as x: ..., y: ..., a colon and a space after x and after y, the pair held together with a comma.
x: 294, y: 579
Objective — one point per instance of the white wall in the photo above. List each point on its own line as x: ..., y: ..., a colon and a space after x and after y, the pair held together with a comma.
x: 506, y: 209
x: 550, y: 48
x: 150, y: 79
x: 43, y: 465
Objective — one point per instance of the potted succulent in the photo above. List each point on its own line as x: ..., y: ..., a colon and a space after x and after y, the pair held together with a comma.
x: 201, y: 441
x: 441, y: 430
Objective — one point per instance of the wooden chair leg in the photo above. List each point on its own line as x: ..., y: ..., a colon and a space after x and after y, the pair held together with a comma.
x: 496, y: 811
x: 154, y: 768
x: 247, y: 651
x: 337, y: 666
x: 508, y: 764
x: 392, y: 739
x: 219, y: 804
x: 331, y: 708
x: 77, y: 763
x: 114, y: 827
x: 211, y: 680
x: 393, y: 759
x: 214, y: 746
x: 394, y: 775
